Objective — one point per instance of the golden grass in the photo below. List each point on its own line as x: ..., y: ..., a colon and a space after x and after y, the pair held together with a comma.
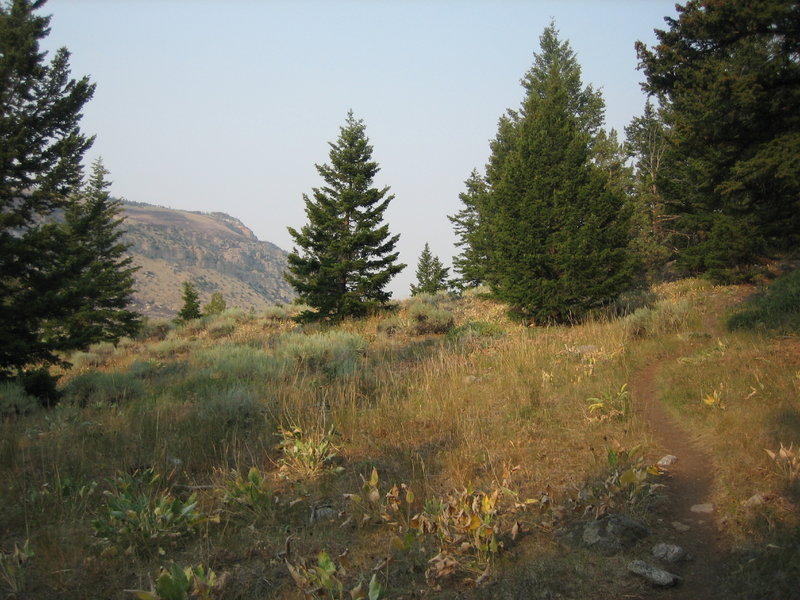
x: 424, y: 410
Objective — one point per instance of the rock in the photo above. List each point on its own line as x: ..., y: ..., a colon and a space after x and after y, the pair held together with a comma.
x: 323, y: 513
x: 680, y: 526
x: 653, y: 575
x: 667, y: 460
x: 754, y: 500
x: 702, y: 508
x: 669, y: 552
x: 608, y: 535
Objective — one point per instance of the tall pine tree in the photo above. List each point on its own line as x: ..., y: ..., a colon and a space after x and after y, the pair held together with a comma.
x: 346, y: 255
x: 431, y: 274
x: 470, y: 264
x: 557, y: 223
x: 729, y: 76
x: 97, y: 273
x: 41, y: 149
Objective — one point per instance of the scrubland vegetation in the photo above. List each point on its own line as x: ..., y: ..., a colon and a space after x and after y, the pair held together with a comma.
x: 431, y: 450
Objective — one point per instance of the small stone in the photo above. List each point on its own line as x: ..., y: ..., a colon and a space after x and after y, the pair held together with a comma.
x: 702, y: 508
x: 667, y: 460
x: 680, y: 526
x: 653, y: 575
x: 754, y: 500
x: 607, y: 535
x: 323, y: 513
x: 668, y: 552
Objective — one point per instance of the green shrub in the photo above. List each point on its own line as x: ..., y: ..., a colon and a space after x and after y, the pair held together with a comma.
x: 665, y: 317
x: 233, y: 406
x: 81, y: 360
x: 104, y: 349
x: 277, y: 313
x: 775, y: 308
x: 474, y: 331
x: 143, y: 518
x: 390, y: 326
x: 241, y: 362
x: 154, y: 330
x: 629, y: 302
x: 429, y: 318
x: 169, y: 348
x: 97, y: 387
x: 14, y: 400
x: 334, y: 353
x: 221, y: 327
x: 40, y: 384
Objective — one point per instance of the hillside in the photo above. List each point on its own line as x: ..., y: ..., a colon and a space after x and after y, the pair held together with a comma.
x: 216, y: 251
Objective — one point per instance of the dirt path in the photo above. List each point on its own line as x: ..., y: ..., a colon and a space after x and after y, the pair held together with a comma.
x: 689, y: 482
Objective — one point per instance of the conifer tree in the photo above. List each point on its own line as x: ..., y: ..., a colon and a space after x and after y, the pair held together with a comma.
x: 97, y: 273
x: 346, y: 255
x: 41, y: 149
x: 729, y: 77
x: 191, y: 303
x: 216, y: 305
x: 470, y: 264
x: 558, y: 227
x: 431, y: 274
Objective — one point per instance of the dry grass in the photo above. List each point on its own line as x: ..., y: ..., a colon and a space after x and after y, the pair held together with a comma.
x: 501, y: 406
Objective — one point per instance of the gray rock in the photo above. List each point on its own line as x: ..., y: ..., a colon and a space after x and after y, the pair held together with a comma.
x: 653, y: 575
x: 754, y: 500
x: 667, y: 460
x: 669, y: 552
x: 680, y: 526
x: 323, y: 513
x: 702, y: 508
x: 608, y: 535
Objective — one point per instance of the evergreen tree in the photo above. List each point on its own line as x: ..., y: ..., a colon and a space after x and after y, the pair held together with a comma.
x: 191, y: 303
x: 557, y: 226
x: 431, y: 274
x: 646, y: 143
x: 215, y: 306
x: 471, y: 263
x: 97, y: 273
x: 41, y: 148
x: 729, y: 77
x: 346, y: 255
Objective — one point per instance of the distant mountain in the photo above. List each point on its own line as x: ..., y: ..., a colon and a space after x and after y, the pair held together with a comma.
x: 217, y: 252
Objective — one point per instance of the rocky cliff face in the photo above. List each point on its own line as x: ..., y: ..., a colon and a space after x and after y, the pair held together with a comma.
x: 215, y: 251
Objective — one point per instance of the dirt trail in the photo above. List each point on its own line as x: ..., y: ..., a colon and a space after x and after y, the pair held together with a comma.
x: 689, y: 482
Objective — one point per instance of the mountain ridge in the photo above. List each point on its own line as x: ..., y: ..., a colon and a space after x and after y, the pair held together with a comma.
x: 216, y: 251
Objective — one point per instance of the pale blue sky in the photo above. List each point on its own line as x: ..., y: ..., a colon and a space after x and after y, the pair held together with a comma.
x: 226, y: 105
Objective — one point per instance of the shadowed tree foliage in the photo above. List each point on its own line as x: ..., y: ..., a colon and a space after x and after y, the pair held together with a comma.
x: 216, y: 305
x: 431, y: 274
x: 41, y: 149
x: 728, y: 75
x: 554, y: 218
x: 346, y: 255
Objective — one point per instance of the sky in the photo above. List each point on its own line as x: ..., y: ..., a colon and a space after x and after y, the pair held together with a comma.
x: 227, y: 105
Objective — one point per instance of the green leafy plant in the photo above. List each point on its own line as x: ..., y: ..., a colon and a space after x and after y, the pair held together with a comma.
x: 629, y: 482
x: 178, y: 583
x: 324, y: 579
x: 140, y: 516
x: 307, y: 454
x: 609, y: 406
x: 13, y: 566
x: 250, y: 494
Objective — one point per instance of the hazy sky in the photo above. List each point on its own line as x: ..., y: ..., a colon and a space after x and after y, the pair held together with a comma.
x: 227, y: 105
